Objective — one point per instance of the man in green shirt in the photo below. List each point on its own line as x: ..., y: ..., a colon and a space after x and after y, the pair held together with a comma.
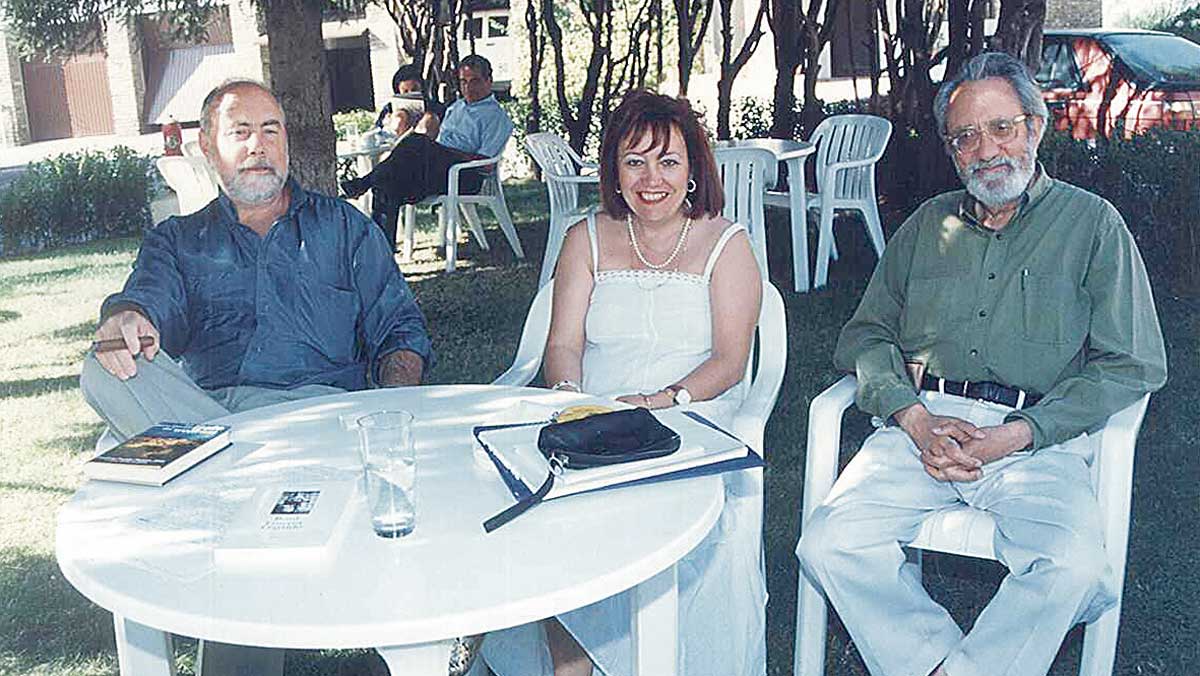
x: 1021, y: 310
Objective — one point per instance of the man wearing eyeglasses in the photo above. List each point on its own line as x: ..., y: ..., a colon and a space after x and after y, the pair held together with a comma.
x: 1003, y: 322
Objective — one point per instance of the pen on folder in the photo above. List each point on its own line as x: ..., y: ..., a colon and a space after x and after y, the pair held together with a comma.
x: 113, y: 344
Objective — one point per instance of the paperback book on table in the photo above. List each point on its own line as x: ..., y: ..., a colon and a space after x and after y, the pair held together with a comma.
x: 287, y: 521
x: 161, y: 453
x: 704, y: 448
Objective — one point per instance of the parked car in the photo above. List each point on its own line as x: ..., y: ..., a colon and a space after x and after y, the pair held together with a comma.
x: 1142, y: 79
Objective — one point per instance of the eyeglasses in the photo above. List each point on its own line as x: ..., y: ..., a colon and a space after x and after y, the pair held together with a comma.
x: 1001, y: 130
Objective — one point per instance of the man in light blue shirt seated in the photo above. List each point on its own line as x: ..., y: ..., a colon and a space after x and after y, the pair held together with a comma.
x: 475, y: 127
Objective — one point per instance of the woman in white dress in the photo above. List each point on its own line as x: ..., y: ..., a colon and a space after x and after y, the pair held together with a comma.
x: 655, y: 303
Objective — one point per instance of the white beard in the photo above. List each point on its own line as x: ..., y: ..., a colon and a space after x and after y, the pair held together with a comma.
x: 252, y: 189
x: 994, y: 193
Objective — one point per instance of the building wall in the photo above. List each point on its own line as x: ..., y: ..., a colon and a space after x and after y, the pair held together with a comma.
x: 1074, y: 14
x: 14, y: 123
x: 126, y: 76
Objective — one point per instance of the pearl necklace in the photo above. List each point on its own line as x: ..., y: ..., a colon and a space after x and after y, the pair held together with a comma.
x: 637, y: 250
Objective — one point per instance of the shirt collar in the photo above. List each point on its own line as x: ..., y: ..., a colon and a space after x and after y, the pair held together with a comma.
x: 490, y: 99
x: 1037, y: 189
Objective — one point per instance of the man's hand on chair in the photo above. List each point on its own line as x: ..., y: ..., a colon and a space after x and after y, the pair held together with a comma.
x: 940, y: 439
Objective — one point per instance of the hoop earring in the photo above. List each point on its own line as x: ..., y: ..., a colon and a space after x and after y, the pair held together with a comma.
x: 691, y: 185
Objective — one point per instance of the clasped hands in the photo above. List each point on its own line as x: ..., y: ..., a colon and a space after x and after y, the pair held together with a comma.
x: 953, y: 449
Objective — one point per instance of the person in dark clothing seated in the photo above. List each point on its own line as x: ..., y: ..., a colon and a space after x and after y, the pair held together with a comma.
x: 408, y: 81
x: 475, y: 127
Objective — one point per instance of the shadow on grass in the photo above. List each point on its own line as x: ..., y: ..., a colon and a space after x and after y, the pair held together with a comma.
x: 9, y: 315
x: 34, y: 488
x: 32, y: 387
x: 80, y: 331
x: 45, y: 619
x: 48, y: 278
x: 80, y: 438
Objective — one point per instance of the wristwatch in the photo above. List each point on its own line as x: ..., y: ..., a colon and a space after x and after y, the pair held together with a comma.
x: 680, y: 394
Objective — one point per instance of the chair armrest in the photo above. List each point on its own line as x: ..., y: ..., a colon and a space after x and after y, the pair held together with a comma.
x: 824, y: 441
x: 580, y: 178
x: 456, y: 169
x: 751, y: 417
x: 1114, y: 475
x: 850, y: 164
x: 532, y: 346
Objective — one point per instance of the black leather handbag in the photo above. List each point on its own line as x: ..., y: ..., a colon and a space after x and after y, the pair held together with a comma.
x: 607, y: 439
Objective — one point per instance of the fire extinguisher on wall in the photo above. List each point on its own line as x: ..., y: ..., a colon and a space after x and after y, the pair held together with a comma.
x: 172, y: 137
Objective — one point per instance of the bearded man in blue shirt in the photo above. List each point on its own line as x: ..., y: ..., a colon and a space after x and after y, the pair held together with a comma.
x: 270, y: 293
x: 475, y: 127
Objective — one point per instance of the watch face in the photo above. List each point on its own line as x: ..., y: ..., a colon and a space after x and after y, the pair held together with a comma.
x: 683, y: 397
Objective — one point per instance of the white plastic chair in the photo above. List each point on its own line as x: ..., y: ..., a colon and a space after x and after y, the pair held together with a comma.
x: 491, y: 195
x: 562, y: 171
x: 746, y: 174
x: 965, y: 530
x: 191, y: 179
x: 848, y: 146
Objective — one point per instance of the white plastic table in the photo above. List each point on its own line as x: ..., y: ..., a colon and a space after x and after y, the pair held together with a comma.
x: 407, y: 598
x: 365, y: 160
x: 793, y: 154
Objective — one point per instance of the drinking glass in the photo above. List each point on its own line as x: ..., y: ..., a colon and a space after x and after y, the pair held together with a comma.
x: 390, y: 469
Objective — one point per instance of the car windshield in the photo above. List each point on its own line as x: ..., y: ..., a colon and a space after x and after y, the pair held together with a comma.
x: 1159, y: 58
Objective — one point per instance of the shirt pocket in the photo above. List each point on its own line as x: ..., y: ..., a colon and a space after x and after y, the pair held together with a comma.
x: 221, y: 299
x: 1053, y: 310
x: 328, y: 314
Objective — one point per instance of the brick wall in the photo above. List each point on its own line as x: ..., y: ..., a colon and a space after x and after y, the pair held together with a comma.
x: 1074, y: 14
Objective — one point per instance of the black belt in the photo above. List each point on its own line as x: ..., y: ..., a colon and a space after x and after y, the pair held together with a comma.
x: 987, y: 391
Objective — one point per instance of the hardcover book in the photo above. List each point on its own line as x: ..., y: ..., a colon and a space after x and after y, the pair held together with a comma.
x: 159, y: 454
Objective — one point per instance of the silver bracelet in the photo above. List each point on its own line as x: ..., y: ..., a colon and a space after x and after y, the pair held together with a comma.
x: 566, y: 384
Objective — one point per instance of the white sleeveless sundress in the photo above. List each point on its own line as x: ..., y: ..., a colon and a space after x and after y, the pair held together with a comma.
x: 644, y: 330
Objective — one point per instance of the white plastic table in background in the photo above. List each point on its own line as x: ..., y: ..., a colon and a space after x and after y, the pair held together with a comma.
x: 406, y: 598
x: 365, y: 160
x: 792, y: 153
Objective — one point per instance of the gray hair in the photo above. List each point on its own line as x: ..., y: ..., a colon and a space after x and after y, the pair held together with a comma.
x: 214, y: 97
x: 988, y: 65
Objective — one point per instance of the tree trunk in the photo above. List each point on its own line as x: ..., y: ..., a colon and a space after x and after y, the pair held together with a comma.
x: 690, y: 36
x: 537, y: 54
x: 732, y: 64
x: 785, y: 18
x: 300, y: 81
x: 1019, y: 30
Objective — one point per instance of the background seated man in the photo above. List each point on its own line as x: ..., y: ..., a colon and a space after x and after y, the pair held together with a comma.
x: 268, y: 294
x: 475, y: 127
x: 1023, y: 308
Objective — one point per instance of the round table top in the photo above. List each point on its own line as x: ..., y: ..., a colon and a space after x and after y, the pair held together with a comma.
x: 147, y: 553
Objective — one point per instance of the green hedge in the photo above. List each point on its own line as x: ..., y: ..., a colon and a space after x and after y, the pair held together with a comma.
x: 76, y: 197
x: 1154, y: 181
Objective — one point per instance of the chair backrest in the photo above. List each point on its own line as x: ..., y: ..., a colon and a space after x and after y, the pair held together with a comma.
x: 849, y: 138
x: 191, y: 180
x: 746, y: 174
x: 192, y: 149
x: 557, y: 161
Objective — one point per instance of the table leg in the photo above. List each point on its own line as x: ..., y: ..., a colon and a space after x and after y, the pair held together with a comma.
x: 799, y: 205
x: 422, y: 659
x: 655, y: 625
x: 142, y: 651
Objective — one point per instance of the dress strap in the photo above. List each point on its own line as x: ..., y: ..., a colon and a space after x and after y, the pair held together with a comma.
x: 733, y: 229
x: 591, y: 228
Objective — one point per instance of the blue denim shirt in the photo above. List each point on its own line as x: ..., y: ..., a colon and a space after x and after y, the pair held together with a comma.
x: 482, y: 127
x: 319, y: 299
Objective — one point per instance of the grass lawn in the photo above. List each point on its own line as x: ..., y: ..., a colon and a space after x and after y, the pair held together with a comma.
x: 48, y: 306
